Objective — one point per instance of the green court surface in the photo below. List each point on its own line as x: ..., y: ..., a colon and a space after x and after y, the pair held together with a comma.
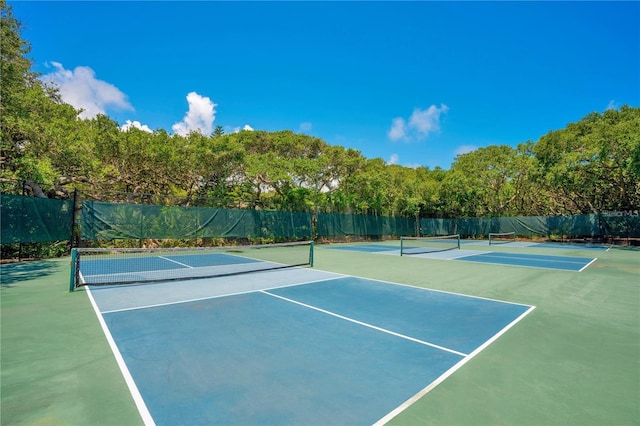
x: 574, y: 360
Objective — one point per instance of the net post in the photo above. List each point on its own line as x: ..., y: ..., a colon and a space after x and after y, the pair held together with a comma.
x: 401, y: 243
x: 311, y: 251
x: 458, y: 241
x: 74, y: 270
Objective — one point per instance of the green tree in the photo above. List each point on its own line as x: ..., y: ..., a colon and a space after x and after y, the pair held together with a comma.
x: 480, y: 182
x: 429, y: 190
x: 589, y: 166
x: 218, y: 131
x: 34, y: 121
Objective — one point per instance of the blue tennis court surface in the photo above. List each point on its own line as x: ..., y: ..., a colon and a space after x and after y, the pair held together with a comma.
x: 593, y: 247
x: 156, y: 263
x: 565, y: 263
x: 299, y: 346
x: 545, y: 245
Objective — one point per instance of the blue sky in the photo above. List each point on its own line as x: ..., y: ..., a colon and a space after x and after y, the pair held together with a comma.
x: 413, y: 83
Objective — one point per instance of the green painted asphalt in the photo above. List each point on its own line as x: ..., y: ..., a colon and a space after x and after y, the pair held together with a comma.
x: 575, y: 360
x: 56, y: 366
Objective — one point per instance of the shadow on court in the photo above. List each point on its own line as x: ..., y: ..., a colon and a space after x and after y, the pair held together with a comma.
x: 13, y: 273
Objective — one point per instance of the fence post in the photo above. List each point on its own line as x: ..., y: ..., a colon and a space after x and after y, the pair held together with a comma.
x: 73, y: 218
x: 22, y: 217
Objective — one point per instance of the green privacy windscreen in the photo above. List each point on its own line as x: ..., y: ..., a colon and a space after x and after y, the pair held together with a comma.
x: 336, y: 224
x: 34, y: 220
x: 588, y: 225
x: 108, y: 221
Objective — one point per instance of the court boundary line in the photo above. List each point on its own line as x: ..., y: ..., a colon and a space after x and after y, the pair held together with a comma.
x: 432, y: 289
x: 175, y: 261
x: 198, y: 299
x: 364, y: 324
x: 500, y: 255
x: 522, y: 266
x: 459, y: 254
x: 409, y: 402
x: 124, y: 370
x: 587, y: 265
x: 546, y: 268
x: 576, y: 246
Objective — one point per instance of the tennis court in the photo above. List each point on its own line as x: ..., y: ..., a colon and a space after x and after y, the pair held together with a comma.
x: 544, y: 245
x: 453, y: 248
x: 286, y: 346
x: 398, y: 339
x: 528, y: 260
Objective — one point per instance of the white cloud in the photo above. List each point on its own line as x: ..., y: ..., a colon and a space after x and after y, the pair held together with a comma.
x: 427, y: 121
x: 306, y: 127
x: 135, y: 124
x: 398, y: 129
x: 199, y: 117
x: 420, y: 124
x: 81, y: 89
x: 465, y: 149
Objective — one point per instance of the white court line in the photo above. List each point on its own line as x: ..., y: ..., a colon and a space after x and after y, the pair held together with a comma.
x: 436, y: 291
x: 175, y: 261
x: 470, y: 253
x: 135, y: 393
x: 569, y: 262
x: 523, y: 266
x: 536, y: 257
x: 422, y: 342
x: 585, y: 266
x: 449, y: 372
x: 546, y: 268
x: 198, y: 299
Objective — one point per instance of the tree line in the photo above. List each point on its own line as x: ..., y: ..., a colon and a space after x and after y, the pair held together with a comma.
x: 590, y: 166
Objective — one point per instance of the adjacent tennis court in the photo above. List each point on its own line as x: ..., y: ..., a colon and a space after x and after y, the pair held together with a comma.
x: 294, y: 346
x: 451, y: 247
x: 563, y: 263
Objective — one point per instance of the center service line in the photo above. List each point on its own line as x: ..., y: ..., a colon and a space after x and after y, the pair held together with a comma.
x: 175, y: 261
x: 422, y: 342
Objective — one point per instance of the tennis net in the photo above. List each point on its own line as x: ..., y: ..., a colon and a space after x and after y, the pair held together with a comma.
x: 501, y: 237
x: 114, y: 266
x: 418, y: 245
